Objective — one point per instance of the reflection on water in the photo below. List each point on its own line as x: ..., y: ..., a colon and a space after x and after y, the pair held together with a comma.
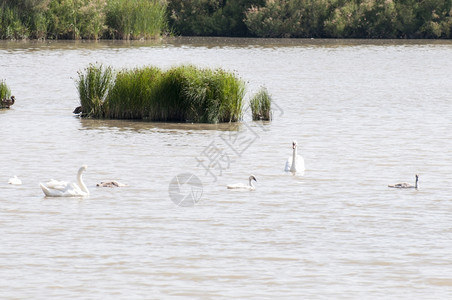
x: 365, y: 114
x: 207, y: 42
x: 144, y: 125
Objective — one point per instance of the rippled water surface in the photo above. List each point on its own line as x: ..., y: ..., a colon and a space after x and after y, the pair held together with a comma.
x: 365, y: 115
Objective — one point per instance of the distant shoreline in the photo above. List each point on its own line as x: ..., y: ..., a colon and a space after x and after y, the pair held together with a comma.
x: 147, y: 20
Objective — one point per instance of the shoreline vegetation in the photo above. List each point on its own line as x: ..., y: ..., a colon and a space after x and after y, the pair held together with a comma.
x: 150, y: 19
x: 180, y: 94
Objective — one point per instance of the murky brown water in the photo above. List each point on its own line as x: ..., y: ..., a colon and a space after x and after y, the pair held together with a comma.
x: 365, y: 114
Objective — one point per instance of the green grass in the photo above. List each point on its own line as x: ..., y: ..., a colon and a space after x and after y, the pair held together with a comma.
x: 93, y: 86
x: 261, y: 105
x: 180, y: 94
x: 82, y: 19
x: 139, y: 19
x: 5, y: 92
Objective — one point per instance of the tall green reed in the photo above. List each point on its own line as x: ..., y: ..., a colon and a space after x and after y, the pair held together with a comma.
x: 212, y: 96
x: 132, y: 94
x: 93, y: 86
x: 260, y: 105
x: 139, y: 19
x: 11, y: 26
x: 5, y: 92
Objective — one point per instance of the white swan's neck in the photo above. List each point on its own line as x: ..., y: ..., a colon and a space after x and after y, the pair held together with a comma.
x: 293, y: 168
x: 251, y: 183
x: 80, y: 182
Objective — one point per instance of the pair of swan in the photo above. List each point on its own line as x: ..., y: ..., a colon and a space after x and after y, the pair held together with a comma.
x: 294, y: 163
x: 405, y: 185
x: 55, y: 188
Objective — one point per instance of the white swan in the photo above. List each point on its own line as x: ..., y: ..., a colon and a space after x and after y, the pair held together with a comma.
x: 241, y: 186
x: 405, y: 185
x: 112, y: 183
x: 294, y: 163
x: 15, y: 181
x: 55, y: 188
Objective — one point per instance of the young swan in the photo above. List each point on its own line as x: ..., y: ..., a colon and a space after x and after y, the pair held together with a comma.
x: 405, y: 185
x: 112, y: 183
x: 241, y: 186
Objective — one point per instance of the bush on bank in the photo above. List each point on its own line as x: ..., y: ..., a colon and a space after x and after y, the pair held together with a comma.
x: 351, y: 19
x: 82, y: 19
x: 144, y: 19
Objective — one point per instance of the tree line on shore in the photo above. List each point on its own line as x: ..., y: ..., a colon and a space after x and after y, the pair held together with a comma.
x: 145, y: 19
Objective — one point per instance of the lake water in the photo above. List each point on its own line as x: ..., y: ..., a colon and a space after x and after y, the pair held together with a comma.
x: 365, y: 114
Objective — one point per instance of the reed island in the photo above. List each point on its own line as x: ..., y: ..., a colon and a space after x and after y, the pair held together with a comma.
x: 181, y: 94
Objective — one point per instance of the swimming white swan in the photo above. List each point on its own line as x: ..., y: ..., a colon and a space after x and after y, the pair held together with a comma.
x: 294, y: 163
x: 241, y: 186
x: 15, y: 181
x: 112, y: 183
x: 55, y: 188
x: 405, y: 185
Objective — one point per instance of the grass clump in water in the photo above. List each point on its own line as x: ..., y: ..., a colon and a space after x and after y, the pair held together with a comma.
x: 132, y: 94
x: 181, y: 94
x: 5, y: 92
x: 212, y: 96
x: 93, y: 86
x: 261, y: 105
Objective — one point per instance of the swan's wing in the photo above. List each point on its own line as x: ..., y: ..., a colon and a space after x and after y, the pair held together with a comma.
x: 237, y: 186
x: 58, y: 189
x: 49, y: 192
x: 57, y: 185
x: 402, y: 185
x: 300, y: 163
x: 288, y: 164
x: 405, y: 185
x: 240, y: 186
x: 15, y: 181
x: 73, y: 189
x: 54, y: 188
